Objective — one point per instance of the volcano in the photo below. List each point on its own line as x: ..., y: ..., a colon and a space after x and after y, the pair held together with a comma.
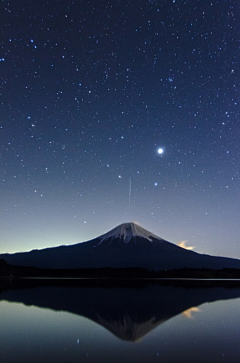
x: 126, y: 246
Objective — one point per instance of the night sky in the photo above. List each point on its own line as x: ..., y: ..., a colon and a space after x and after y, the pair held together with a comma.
x: 119, y: 111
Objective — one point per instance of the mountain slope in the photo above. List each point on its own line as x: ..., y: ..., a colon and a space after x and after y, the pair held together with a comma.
x: 127, y: 245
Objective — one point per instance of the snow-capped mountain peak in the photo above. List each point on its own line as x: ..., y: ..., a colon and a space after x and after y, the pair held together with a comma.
x: 127, y: 231
x: 125, y: 246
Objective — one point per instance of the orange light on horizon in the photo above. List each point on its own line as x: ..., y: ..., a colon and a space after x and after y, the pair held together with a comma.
x: 188, y: 313
x: 183, y: 245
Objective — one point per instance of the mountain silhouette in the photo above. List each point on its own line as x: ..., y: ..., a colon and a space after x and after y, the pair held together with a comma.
x: 126, y: 246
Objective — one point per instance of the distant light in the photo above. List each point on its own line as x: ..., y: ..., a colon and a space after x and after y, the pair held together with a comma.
x: 160, y: 151
x: 183, y: 245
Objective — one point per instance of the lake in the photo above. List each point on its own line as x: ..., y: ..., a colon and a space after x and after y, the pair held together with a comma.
x: 119, y: 321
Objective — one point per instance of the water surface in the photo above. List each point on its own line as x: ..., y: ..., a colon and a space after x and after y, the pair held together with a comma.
x: 150, y: 322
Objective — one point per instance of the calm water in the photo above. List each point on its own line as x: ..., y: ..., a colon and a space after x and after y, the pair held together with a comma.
x: 79, y: 322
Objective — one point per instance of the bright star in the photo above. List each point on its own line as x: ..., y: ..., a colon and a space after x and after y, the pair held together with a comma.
x: 160, y: 151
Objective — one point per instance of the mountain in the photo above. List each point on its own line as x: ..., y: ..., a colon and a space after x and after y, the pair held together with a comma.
x: 127, y: 246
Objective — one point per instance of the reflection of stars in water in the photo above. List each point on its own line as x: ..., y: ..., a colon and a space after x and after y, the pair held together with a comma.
x: 160, y: 151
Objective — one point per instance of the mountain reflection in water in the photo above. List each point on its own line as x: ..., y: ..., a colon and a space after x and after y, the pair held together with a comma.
x: 128, y: 310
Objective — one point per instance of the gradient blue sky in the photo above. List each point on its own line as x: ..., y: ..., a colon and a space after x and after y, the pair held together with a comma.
x: 89, y: 91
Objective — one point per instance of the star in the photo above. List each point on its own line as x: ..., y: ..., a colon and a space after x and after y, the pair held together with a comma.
x: 160, y: 151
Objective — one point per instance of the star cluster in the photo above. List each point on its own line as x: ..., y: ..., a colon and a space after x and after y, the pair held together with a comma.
x: 113, y: 111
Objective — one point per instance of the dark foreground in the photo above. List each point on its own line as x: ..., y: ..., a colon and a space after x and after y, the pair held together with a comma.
x: 7, y: 270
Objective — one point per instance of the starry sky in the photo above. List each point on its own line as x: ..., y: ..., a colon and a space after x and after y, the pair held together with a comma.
x: 118, y: 111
